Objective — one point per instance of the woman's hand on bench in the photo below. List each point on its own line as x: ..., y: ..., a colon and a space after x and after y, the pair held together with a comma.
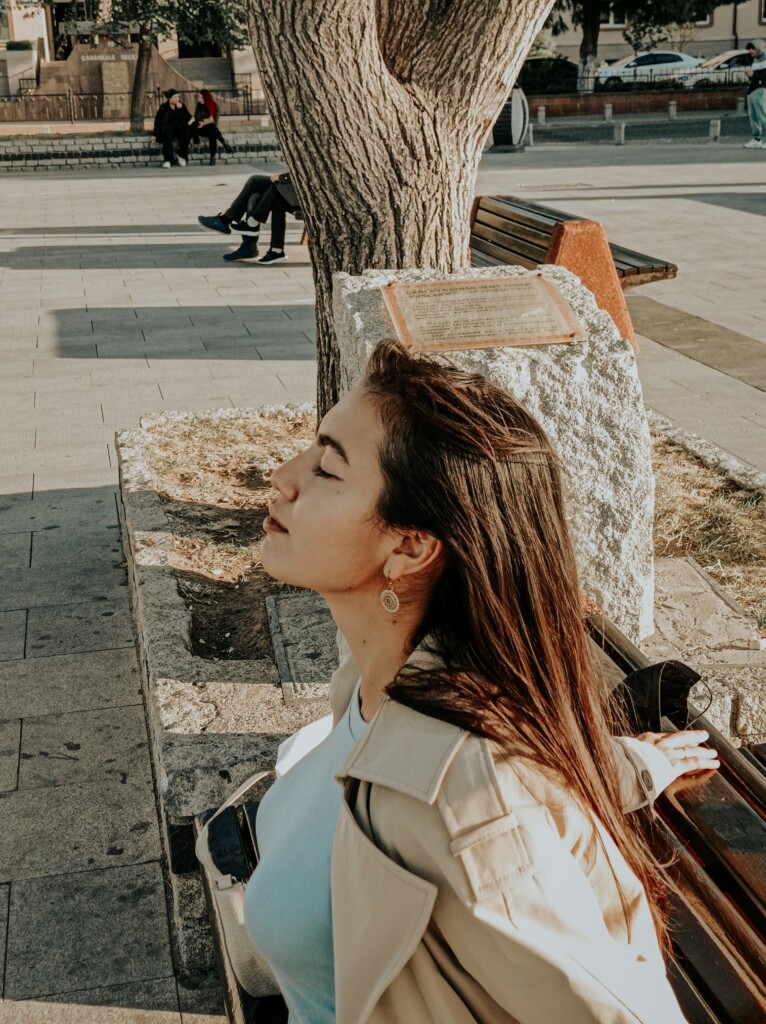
x: 684, y: 750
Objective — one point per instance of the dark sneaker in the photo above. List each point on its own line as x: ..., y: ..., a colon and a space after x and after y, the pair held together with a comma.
x: 249, y: 230
x: 216, y: 223
x: 245, y: 252
x: 272, y: 256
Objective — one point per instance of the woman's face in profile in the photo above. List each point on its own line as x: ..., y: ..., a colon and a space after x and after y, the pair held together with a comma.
x: 321, y: 532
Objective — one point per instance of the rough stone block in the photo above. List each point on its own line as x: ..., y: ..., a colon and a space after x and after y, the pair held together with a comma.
x: 13, y: 626
x: 142, y: 1002
x: 696, y: 620
x: 70, y: 682
x: 10, y: 733
x: 587, y: 397
x: 66, y: 930
x: 303, y: 634
x: 5, y: 894
x: 582, y: 247
x: 209, y: 737
x: 65, y: 629
x: 76, y: 827
x: 14, y: 550
x: 110, y: 743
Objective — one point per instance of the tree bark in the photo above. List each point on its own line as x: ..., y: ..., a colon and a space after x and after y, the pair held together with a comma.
x: 140, y: 81
x: 591, y: 27
x: 382, y: 108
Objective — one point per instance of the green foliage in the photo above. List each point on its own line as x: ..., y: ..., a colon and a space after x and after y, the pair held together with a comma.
x: 19, y: 44
x: 222, y: 22
x: 647, y: 19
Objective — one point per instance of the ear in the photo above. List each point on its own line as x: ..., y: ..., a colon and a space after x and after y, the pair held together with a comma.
x: 416, y: 554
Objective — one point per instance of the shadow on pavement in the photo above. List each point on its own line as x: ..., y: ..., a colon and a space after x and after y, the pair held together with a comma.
x: 186, y: 332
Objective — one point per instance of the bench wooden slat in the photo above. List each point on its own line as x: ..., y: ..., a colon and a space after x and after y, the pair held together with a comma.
x: 728, y: 835
x: 513, y: 246
x: 713, y: 974
x: 500, y: 256
x: 519, y: 222
x: 536, y: 236
x: 693, y: 1006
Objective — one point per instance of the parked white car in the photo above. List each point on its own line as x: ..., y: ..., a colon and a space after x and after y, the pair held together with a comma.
x: 659, y: 65
x: 724, y: 69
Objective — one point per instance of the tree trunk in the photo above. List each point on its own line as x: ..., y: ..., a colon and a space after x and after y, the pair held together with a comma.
x: 382, y: 108
x: 591, y: 27
x: 140, y: 81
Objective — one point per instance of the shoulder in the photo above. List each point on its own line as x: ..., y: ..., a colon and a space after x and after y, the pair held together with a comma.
x: 444, y: 802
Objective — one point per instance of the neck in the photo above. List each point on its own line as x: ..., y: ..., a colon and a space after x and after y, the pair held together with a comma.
x: 379, y: 642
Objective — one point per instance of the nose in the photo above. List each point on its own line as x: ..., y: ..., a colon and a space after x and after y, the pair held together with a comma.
x: 284, y: 479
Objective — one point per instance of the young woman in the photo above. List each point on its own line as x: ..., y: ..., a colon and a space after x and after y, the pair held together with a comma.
x: 206, y: 123
x: 475, y: 864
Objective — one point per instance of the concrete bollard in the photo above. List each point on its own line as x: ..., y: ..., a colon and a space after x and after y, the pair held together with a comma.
x: 541, y: 114
x: 619, y: 134
x: 715, y: 130
x: 608, y: 112
x: 530, y: 139
x: 740, y: 104
x: 673, y: 109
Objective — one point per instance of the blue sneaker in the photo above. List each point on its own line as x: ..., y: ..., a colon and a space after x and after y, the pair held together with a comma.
x: 216, y: 223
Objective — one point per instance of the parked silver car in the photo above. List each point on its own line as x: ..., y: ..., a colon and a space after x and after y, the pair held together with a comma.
x: 659, y: 65
x: 724, y: 69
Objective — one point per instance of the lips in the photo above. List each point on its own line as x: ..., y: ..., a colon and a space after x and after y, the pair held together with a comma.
x: 272, y: 525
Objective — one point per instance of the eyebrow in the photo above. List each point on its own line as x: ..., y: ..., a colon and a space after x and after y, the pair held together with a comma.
x: 330, y: 442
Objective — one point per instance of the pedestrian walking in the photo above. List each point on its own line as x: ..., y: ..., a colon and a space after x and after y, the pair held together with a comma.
x: 756, y: 93
x: 173, y: 124
x: 206, y: 123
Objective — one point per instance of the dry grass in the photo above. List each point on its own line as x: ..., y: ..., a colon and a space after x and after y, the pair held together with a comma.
x: 701, y: 513
x: 213, y: 475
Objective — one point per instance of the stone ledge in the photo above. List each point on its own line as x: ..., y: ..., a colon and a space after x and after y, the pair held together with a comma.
x: 211, y: 723
x: 699, y: 622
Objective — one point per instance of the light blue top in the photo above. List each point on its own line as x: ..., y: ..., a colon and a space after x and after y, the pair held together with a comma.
x: 288, y: 913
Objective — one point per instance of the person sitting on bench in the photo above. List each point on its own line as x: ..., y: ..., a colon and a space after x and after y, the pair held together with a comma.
x: 261, y: 197
x: 173, y: 122
x: 456, y: 848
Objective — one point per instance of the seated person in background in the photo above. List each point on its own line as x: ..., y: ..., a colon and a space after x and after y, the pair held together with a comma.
x: 173, y: 122
x: 261, y: 196
x: 206, y: 123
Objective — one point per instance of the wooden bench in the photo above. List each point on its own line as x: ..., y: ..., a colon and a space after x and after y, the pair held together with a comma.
x: 505, y: 229
x: 715, y: 830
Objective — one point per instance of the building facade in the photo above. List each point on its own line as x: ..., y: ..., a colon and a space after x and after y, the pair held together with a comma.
x: 729, y: 27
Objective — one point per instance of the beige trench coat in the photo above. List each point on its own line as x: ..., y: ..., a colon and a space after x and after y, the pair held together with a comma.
x: 466, y: 890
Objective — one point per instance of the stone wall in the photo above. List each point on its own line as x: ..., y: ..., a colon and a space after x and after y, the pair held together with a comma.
x: 38, y: 153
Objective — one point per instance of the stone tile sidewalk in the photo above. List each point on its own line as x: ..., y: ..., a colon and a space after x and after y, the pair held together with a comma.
x: 116, y: 303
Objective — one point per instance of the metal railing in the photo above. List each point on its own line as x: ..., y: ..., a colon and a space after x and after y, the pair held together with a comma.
x: 73, y: 107
x: 564, y: 82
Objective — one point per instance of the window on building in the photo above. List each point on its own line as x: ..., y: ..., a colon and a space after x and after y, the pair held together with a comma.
x: 5, y: 29
x: 617, y: 16
x: 705, y: 22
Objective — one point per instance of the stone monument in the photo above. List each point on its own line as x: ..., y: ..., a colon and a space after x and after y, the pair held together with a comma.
x: 588, y: 398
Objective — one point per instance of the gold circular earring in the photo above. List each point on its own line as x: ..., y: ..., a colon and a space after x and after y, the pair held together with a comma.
x: 388, y: 598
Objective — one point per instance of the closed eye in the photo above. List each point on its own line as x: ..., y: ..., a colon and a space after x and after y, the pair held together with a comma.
x: 318, y: 471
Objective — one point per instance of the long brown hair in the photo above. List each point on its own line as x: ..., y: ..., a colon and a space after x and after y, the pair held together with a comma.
x: 465, y: 462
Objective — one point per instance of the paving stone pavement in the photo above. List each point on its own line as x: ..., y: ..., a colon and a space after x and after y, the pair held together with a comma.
x: 115, y: 303
x: 701, y: 207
